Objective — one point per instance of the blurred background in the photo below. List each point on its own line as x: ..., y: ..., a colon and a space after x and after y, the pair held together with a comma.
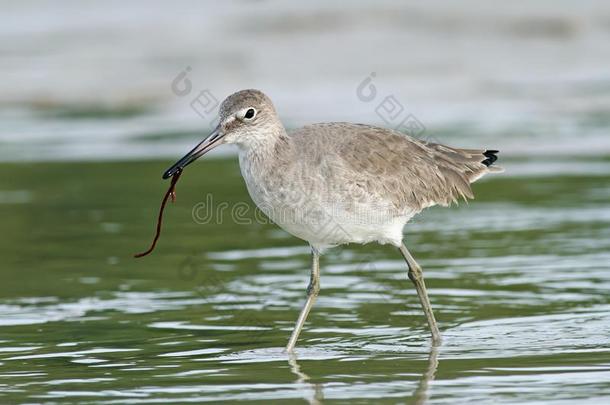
x: 98, y: 98
x: 94, y: 80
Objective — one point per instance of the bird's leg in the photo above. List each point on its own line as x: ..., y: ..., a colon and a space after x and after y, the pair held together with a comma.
x: 417, y: 277
x: 312, y: 293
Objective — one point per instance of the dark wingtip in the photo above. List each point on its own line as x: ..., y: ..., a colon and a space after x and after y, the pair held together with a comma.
x: 491, y: 156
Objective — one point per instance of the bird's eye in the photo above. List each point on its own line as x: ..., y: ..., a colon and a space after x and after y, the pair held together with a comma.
x: 250, y: 113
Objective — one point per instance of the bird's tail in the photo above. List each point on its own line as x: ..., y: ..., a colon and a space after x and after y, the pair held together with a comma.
x: 479, y: 162
x: 490, y: 157
x: 470, y: 163
x: 461, y: 167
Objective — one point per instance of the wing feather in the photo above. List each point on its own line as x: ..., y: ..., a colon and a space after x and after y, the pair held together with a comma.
x: 389, y: 166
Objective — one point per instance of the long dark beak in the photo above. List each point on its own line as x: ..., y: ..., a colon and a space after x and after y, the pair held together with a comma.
x: 209, y: 143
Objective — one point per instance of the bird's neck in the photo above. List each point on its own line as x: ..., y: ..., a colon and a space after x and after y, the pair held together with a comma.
x: 260, y: 161
x: 274, y: 144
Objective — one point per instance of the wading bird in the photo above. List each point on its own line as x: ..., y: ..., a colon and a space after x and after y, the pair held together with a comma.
x: 336, y: 183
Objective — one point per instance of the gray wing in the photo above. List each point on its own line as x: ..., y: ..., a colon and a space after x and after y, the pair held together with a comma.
x: 409, y: 173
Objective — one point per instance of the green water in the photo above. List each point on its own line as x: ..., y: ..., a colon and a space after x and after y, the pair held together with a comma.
x: 519, y: 280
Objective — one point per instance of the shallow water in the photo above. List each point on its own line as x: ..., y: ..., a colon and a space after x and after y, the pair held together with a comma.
x: 519, y: 280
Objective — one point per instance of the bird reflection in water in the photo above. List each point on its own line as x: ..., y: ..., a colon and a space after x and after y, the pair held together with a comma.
x: 315, y: 395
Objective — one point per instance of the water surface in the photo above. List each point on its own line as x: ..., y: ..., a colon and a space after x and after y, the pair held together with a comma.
x: 519, y: 280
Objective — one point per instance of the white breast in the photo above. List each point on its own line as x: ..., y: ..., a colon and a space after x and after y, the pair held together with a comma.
x: 307, y: 211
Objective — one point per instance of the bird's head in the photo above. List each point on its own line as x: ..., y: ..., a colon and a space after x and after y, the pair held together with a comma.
x: 246, y: 117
